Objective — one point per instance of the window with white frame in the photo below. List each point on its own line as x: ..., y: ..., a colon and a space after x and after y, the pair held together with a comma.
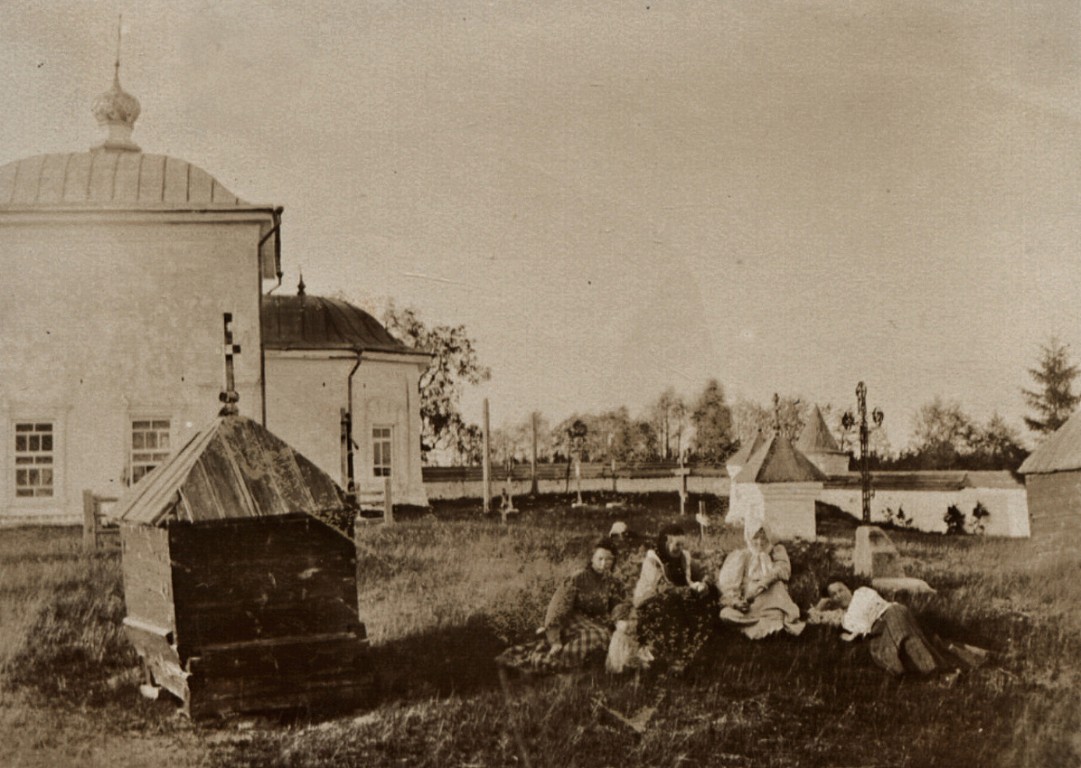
x: 34, y: 459
x: 150, y: 446
x: 381, y: 443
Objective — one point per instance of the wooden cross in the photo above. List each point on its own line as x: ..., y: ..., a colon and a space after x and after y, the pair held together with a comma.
x: 229, y: 396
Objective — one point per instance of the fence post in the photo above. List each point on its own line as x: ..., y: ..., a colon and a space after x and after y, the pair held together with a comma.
x: 90, y: 523
x: 486, y: 464
x: 388, y: 502
x: 533, y: 462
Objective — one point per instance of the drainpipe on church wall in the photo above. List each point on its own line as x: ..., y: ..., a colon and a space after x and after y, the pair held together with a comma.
x: 276, y: 217
x: 350, y: 469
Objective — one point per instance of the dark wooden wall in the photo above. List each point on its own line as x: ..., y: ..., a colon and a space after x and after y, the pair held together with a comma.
x: 1054, y: 507
x: 259, y: 579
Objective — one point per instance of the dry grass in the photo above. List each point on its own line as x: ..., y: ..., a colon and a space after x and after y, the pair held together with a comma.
x: 442, y: 595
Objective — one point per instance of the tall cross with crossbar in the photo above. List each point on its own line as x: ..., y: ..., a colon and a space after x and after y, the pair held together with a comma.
x: 229, y: 396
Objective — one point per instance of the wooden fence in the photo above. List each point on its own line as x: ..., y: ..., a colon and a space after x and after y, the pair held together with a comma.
x: 551, y: 472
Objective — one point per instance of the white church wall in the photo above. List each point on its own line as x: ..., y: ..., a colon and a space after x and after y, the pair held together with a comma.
x: 388, y: 394
x: 305, y: 395
x: 125, y: 322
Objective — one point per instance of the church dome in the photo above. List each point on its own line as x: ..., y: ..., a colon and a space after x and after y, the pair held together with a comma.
x: 106, y: 178
x: 117, y: 110
x: 315, y: 322
x: 114, y: 174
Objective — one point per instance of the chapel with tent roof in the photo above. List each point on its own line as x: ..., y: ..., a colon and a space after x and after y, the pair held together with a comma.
x: 1052, y: 475
x: 120, y: 265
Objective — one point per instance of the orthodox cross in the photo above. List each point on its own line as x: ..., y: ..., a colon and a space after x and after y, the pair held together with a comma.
x: 229, y: 396
x: 848, y: 420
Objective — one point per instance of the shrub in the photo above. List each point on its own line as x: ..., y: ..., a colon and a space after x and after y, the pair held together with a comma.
x: 898, y: 518
x: 980, y: 513
x: 955, y: 521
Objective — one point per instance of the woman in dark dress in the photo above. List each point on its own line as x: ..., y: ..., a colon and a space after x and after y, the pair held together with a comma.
x: 579, y: 621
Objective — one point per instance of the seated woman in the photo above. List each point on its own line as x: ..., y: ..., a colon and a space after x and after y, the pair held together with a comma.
x: 897, y: 644
x: 753, y: 588
x: 578, y: 624
x: 672, y: 615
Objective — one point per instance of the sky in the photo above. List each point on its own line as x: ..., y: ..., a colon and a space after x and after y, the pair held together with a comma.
x: 619, y: 197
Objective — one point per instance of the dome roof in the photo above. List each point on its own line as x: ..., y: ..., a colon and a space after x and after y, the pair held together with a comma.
x: 117, y: 110
x: 315, y: 322
x: 110, y: 179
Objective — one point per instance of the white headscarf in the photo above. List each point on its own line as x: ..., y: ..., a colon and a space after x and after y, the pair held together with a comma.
x: 759, y: 562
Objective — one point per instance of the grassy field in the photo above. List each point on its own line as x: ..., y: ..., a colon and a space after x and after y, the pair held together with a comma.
x: 443, y: 593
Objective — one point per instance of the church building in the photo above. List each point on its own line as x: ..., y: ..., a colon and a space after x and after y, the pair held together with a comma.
x: 120, y: 269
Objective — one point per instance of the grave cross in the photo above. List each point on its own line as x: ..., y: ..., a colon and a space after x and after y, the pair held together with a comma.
x: 848, y: 420
x: 229, y: 396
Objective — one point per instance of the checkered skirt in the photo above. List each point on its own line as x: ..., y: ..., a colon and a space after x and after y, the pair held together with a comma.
x: 585, y: 640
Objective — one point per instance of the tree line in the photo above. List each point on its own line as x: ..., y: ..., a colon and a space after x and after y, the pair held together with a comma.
x: 706, y: 427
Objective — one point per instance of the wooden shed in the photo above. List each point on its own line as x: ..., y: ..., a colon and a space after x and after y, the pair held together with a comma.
x: 240, y: 592
x: 1053, y: 484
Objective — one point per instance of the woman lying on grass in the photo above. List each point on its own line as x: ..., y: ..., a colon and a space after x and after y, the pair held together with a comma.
x: 672, y: 614
x: 753, y: 587
x: 578, y: 625
x: 897, y: 643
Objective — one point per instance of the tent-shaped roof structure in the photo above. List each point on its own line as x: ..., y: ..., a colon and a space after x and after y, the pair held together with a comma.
x: 740, y: 457
x: 778, y: 461
x: 231, y: 468
x: 816, y: 437
x: 1060, y: 452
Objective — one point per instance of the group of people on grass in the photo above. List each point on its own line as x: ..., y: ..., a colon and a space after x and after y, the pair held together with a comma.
x: 675, y: 602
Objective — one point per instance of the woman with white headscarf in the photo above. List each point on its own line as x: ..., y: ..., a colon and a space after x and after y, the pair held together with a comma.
x: 753, y: 588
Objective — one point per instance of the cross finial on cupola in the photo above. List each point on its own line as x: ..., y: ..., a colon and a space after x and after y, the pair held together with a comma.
x: 300, y: 285
x: 116, y: 109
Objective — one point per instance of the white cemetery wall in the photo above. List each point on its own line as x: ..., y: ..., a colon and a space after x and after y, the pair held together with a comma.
x: 1008, y: 507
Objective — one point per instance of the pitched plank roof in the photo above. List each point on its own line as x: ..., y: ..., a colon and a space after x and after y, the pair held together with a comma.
x: 778, y: 461
x: 1058, y: 453
x: 231, y: 468
x: 739, y: 458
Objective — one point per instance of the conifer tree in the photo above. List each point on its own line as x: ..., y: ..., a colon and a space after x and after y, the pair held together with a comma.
x: 1053, y: 400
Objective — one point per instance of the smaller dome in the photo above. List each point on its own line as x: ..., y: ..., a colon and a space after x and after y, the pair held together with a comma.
x: 316, y: 322
x: 117, y: 110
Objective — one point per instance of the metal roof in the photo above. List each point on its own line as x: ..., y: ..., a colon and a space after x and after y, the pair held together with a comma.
x: 231, y: 468
x: 1059, y: 452
x: 778, y: 461
x: 110, y: 179
x: 315, y: 322
x: 816, y: 437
